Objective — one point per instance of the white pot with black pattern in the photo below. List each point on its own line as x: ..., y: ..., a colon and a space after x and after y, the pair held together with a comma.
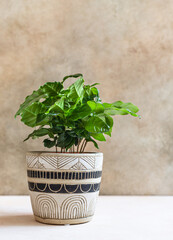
x: 64, y: 187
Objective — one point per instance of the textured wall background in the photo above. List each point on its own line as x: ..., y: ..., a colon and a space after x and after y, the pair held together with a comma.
x: 127, y: 46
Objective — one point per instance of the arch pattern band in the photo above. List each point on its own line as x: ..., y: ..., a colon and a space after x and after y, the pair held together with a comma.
x: 73, y: 207
x: 63, y: 188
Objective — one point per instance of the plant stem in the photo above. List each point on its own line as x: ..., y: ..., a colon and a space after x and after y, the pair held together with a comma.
x: 79, y: 141
x: 82, y: 145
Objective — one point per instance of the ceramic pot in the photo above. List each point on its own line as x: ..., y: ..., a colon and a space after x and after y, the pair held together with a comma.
x: 64, y: 187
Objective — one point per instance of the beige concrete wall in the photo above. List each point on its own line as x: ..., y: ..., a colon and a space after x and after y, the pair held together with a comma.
x: 127, y: 46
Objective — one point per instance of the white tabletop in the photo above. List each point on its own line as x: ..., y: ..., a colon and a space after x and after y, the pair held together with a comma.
x: 116, y: 218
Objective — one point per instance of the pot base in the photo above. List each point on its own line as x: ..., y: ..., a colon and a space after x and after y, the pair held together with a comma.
x: 62, y: 221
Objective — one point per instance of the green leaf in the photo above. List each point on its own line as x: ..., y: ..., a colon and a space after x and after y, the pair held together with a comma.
x: 57, y: 107
x: 109, y: 132
x: 91, y: 94
x: 76, y: 90
x: 65, y: 140
x: 95, y: 84
x: 48, y: 143
x: 42, y: 119
x: 30, y: 113
x: 131, y: 108
x: 80, y: 112
x: 116, y: 111
x: 35, y: 96
x: 58, y: 129
x: 96, y: 107
x: 57, y: 121
x: 112, y: 110
x: 95, y: 91
x: 97, y: 124
x: 98, y: 136
x: 72, y: 76
x: 50, y: 101
x: 47, y: 90
x: 109, y: 120
x: 95, y: 144
x: 51, y: 88
x: 79, y: 87
x: 40, y: 133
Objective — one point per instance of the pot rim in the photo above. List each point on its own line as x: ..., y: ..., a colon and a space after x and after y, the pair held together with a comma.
x: 64, y: 153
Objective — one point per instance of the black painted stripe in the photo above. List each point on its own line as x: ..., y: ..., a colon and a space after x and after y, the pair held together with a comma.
x: 63, y: 175
x: 63, y: 188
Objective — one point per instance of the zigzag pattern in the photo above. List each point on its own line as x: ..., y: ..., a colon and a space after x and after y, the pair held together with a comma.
x: 63, y: 162
x: 31, y: 159
x: 89, y: 160
x: 50, y: 160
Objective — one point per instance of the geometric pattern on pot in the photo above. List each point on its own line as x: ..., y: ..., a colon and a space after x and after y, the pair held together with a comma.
x: 46, y: 206
x: 64, y: 175
x: 77, y: 163
x: 63, y: 188
x: 72, y: 207
x: 62, y: 162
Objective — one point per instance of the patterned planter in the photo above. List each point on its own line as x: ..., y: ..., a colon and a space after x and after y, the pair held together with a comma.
x: 64, y: 186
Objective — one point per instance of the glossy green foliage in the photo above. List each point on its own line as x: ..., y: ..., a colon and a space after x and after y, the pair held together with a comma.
x: 70, y: 117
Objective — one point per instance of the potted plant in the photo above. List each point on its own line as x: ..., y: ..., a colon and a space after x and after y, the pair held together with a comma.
x: 64, y: 184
